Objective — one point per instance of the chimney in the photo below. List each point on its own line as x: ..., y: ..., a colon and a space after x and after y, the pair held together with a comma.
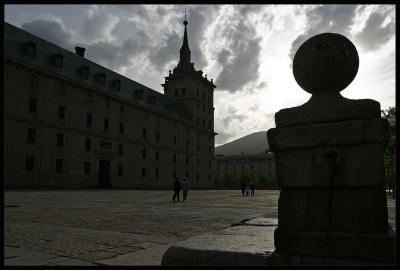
x: 80, y: 51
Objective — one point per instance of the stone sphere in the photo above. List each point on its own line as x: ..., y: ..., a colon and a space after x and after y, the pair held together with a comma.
x: 325, y: 62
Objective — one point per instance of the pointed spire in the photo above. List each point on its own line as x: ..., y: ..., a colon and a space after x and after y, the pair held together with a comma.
x: 185, y: 54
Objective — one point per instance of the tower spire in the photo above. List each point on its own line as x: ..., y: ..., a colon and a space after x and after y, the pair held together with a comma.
x: 185, y: 54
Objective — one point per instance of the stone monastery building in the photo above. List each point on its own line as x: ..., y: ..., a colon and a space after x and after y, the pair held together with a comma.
x: 70, y: 122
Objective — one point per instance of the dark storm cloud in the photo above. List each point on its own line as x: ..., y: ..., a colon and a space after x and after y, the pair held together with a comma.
x: 374, y: 34
x: 168, y: 52
x: 115, y: 55
x: 233, y: 115
x: 52, y: 31
x: 327, y: 18
x: 240, y: 59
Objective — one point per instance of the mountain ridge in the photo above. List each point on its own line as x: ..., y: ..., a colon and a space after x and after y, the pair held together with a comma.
x: 253, y: 143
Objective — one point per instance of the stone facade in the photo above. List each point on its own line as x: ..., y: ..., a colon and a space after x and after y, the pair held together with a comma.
x: 232, y: 169
x: 70, y: 122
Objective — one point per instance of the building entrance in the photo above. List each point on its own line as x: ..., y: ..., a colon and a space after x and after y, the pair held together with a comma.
x: 104, y: 173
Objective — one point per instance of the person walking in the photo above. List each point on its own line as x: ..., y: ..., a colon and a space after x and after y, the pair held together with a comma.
x: 247, y: 190
x: 185, y: 188
x: 243, y: 187
x: 177, y: 189
x: 252, y: 188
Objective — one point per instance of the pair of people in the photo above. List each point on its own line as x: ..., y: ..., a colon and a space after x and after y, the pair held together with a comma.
x: 246, y: 188
x: 179, y: 185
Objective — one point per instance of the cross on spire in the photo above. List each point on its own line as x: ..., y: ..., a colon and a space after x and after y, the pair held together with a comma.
x: 185, y: 22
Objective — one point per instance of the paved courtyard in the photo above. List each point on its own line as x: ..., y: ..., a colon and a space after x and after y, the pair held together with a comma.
x: 119, y: 227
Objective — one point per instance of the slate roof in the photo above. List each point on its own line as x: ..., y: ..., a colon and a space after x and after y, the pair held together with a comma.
x: 16, y: 40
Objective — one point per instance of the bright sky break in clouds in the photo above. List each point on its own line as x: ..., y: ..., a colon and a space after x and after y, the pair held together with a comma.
x: 246, y: 49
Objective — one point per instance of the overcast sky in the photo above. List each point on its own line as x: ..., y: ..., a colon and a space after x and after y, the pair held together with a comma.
x: 247, y: 49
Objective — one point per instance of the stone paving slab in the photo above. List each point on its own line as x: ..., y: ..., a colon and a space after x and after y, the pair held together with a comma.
x: 21, y: 257
x: 149, y: 257
x: 239, y: 245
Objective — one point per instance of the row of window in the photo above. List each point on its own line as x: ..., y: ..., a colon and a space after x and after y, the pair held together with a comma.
x: 102, y: 145
x: 243, y: 166
x: 30, y: 166
x: 183, y: 93
x: 84, y: 71
x: 89, y: 122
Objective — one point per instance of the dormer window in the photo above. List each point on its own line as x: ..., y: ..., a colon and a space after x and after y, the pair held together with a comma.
x: 116, y: 85
x: 101, y: 78
x: 58, y: 60
x: 139, y: 94
x: 84, y: 71
x: 29, y: 49
x: 152, y: 99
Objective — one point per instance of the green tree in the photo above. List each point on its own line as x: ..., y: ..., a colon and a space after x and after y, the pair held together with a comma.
x: 390, y: 151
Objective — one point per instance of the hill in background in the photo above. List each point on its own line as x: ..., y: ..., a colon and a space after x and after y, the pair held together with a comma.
x: 254, y: 143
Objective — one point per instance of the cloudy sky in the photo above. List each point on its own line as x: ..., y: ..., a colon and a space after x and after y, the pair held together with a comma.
x: 247, y: 49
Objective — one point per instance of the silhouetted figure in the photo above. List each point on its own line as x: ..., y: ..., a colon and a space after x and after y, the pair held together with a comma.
x: 185, y: 188
x: 247, y: 190
x: 252, y: 188
x: 177, y: 189
x: 243, y: 187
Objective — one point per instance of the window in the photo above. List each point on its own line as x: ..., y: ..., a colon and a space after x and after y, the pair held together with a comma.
x: 88, y: 144
x: 209, y: 164
x: 106, y: 123
x: 157, y: 136
x: 101, y: 78
x: 174, y: 174
x: 121, y: 108
x: 187, y: 160
x: 121, y: 149
x: 174, y: 158
x: 31, y: 135
x: 197, y: 177
x: 174, y: 140
x: 84, y: 72
x: 121, y: 128
x: 197, y: 119
x: 30, y: 49
x: 198, y: 162
x: 58, y: 60
x: 116, y: 84
x: 87, y: 167
x: 60, y: 139
x: 209, y: 178
x: 59, y: 165
x: 29, y: 163
x: 157, y: 173
x: 209, y: 149
x: 187, y: 143
x: 183, y: 91
x: 144, y: 153
x: 61, y: 89
x: 32, y: 105
x: 120, y: 170
x: 176, y: 92
x: 198, y: 147
x: 204, y: 109
x: 105, y: 145
x: 143, y: 172
x: 203, y: 96
x: 89, y: 119
x: 197, y: 92
x: 144, y: 133
x: 61, y: 112
x: 198, y: 106
x: 157, y: 157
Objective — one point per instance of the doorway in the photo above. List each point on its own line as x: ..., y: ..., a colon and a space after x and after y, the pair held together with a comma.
x: 104, y: 173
